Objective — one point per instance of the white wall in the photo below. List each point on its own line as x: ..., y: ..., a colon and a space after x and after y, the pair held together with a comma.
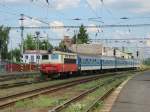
x: 32, y: 58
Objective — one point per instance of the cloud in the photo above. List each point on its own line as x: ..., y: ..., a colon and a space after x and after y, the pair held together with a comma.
x: 15, y: 1
x: 64, y: 4
x: 94, y: 3
x: 30, y: 22
x: 136, y: 6
x: 148, y: 43
x: 14, y: 40
x: 60, y: 32
x: 57, y: 23
x: 121, y: 34
x: 56, y: 4
x: 92, y: 30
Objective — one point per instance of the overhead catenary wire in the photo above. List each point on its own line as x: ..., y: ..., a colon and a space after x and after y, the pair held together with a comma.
x: 90, y: 26
x: 93, y: 11
x: 111, y: 39
x: 9, y: 10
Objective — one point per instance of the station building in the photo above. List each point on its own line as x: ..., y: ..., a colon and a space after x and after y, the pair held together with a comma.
x: 33, y: 56
x: 99, y: 49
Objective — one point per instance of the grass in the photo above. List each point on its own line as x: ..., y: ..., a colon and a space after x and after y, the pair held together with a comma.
x: 40, y: 102
x: 93, y: 83
x: 76, y: 107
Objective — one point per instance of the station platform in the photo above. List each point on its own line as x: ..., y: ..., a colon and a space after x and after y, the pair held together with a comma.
x: 135, y: 96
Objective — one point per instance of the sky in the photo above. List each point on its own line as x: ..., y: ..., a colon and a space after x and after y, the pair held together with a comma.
x: 62, y: 12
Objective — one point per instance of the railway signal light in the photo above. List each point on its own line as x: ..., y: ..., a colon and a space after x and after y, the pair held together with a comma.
x: 114, y: 52
x: 137, y: 53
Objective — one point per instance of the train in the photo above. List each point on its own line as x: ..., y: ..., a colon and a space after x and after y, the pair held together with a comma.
x: 60, y: 63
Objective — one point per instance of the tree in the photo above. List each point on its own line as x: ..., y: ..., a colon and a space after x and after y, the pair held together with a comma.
x: 147, y: 62
x: 82, y: 36
x: 31, y: 44
x: 14, y: 55
x: 4, y: 40
x: 62, y: 46
x: 45, y: 45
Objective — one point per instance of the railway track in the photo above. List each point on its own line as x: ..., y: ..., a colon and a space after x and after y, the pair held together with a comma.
x: 61, y: 107
x: 19, y: 75
x: 23, y: 83
x: 12, y: 99
x: 20, y: 83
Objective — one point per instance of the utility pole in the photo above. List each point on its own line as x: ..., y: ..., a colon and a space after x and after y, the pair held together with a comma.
x: 0, y: 50
x: 47, y: 43
x: 114, y: 53
x: 22, y: 30
x: 76, y: 40
x: 37, y: 48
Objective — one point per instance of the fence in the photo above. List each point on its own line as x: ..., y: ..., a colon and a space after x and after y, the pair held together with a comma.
x: 7, y: 66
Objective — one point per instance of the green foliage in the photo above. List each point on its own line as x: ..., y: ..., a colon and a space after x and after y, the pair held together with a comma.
x: 31, y: 44
x: 76, y: 107
x: 45, y: 45
x: 14, y: 55
x: 4, y: 40
x: 62, y: 46
x: 147, y: 62
x: 39, y: 102
x: 82, y: 36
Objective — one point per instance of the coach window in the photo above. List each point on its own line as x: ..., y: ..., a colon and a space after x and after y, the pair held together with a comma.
x: 95, y: 62
x: 86, y: 60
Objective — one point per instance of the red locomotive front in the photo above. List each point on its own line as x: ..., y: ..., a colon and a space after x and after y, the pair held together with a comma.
x: 58, y: 63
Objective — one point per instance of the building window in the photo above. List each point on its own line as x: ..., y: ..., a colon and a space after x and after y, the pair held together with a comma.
x: 26, y: 57
x: 45, y: 57
x: 38, y: 57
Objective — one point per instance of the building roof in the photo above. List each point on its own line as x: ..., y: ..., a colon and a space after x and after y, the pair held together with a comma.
x: 64, y: 53
x: 36, y: 51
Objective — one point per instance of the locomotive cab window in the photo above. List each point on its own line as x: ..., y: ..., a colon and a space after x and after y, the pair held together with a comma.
x: 44, y: 57
x: 55, y: 56
x: 69, y: 61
